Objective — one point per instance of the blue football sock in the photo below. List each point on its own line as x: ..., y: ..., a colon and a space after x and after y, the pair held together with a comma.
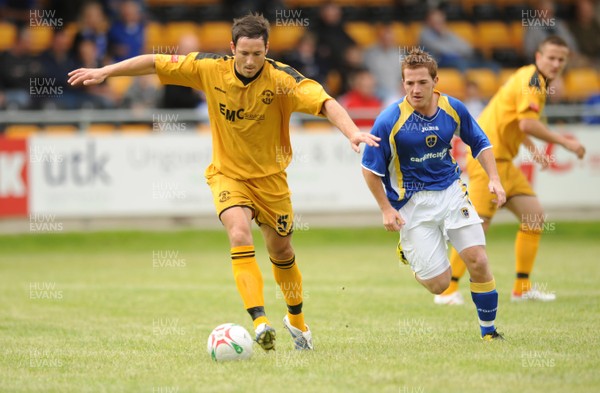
x: 485, y: 297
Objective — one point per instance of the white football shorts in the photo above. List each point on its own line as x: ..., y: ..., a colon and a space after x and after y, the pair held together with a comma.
x: 431, y: 219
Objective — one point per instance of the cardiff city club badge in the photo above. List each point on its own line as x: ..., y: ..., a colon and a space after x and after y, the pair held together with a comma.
x: 431, y: 140
x: 465, y: 212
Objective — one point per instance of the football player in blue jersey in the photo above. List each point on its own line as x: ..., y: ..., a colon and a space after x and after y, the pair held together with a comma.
x: 417, y: 185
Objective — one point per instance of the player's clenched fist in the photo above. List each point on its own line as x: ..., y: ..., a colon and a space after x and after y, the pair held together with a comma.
x: 392, y: 221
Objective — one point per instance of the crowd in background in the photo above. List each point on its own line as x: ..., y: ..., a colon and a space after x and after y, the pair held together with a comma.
x: 103, y: 32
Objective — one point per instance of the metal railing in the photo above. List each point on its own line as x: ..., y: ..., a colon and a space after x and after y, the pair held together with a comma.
x: 82, y: 118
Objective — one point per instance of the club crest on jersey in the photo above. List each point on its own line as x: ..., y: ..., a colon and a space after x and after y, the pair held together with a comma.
x: 465, y: 212
x: 267, y: 96
x: 431, y: 140
x: 224, y: 196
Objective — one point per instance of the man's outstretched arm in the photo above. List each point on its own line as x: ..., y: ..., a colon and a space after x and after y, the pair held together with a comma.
x: 537, y: 129
x: 338, y: 116
x: 139, y: 65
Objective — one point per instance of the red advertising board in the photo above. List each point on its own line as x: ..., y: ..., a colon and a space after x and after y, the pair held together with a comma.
x: 14, y: 187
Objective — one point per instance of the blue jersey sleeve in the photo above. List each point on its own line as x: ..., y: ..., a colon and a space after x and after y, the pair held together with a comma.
x: 376, y: 159
x: 470, y: 132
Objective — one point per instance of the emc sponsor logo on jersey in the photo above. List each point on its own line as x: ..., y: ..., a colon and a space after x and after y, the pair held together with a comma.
x: 232, y: 114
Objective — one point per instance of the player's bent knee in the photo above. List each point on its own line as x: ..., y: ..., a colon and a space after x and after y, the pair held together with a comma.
x: 474, y: 255
x: 439, y: 289
x: 438, y: 284
x: 240, y: 236
x: 282, y: 254
x: 280, y: 248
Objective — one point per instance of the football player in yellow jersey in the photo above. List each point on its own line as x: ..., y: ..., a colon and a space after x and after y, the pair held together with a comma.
x: 250, y: 99
x: 510, y: 118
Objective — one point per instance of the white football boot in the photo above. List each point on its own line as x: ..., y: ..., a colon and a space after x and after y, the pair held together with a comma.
x: 454, y: 299
x: 302, y: 340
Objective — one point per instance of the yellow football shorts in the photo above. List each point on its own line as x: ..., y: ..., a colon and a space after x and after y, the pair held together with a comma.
x: 512, y: 179
x: 268, y: 198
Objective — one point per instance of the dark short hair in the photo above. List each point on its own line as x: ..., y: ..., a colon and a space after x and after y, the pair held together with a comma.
x: 554, y: 40
x: 418, y: 58
x: 250, y: 26
x: 355, y: 73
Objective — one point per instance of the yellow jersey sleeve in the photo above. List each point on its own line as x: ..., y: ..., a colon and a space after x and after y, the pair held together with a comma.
x: 181, y: 70
x: 309, y: 97
x: 299, y: 93
x: 532, y: 97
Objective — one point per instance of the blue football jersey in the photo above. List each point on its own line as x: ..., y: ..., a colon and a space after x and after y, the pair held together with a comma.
x: 414, y: 152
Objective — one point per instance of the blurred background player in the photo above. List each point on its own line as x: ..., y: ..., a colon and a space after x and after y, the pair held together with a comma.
x: 251, y: 150
x: 422, y: 195
x: 512, y: 115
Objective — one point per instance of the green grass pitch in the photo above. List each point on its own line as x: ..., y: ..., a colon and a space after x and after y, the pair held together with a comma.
x: 131, y: 312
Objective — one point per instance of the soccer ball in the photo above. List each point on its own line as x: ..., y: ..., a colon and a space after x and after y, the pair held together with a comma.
x: 229, y: 342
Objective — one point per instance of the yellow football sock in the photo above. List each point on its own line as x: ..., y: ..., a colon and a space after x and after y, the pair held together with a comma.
x: 458, y: 270
x: 526, y: 247
x: 248, y: 277
x: 288, y: 277
x: 260, y: 320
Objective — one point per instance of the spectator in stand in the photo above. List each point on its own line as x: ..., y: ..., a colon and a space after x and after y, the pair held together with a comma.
x: 383, y: 60
x: 333, y: 41
x: 586, y: 30
x: 591, y: 110
x: 239, y: 8
x: 360, y: 101
x: 539, y: 28
x: 94, y: 96
x: 353, y: 61
x: 18, y: 68
x: 557, y: 95
x: 182, y: 96
x: 67, y: 10
x: 126, y: 36
x: 93, y: 26
x: 473, y: 100
x: 398, y: 93
x: 58, y: 62
x: 17, y: 11
x: 142, y: 94
x: 304, y: 59
x: 449, y: 49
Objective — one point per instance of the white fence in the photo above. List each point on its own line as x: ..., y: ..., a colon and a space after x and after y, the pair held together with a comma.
x: 163, y: 175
